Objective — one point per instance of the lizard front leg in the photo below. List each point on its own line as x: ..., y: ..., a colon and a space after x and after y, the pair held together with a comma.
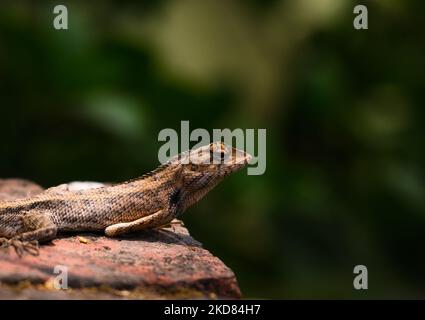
x: 154, y: 220
x: 37, y: 227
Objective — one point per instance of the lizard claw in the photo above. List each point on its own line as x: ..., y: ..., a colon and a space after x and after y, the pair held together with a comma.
x: 4, y: 243
x: 177, y: 222
x: 31, y: 247
x: 172, y: 224
x: 20, y: 246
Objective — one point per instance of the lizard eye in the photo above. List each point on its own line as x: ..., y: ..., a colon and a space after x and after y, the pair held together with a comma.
x: 193, y: 167
x: 219, y: 156
x: 218, y: 152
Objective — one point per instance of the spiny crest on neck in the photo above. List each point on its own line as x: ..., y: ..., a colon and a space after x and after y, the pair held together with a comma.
x: 159, y: 169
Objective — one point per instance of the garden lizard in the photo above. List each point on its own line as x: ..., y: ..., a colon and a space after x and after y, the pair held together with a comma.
x: 151, y: 201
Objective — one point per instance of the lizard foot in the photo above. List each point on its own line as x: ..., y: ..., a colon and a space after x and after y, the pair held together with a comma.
x: 173, y: 223
x: 177, y: 222
x: 20, y: 246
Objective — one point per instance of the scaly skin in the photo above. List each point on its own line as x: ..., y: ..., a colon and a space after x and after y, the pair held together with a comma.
x: 150, y: 201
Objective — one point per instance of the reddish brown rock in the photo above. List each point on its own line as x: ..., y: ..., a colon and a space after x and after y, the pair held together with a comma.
x: 16, y: 188
x: 166, y: 263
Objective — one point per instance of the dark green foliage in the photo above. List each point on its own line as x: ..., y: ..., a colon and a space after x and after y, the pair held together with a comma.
x: 344, y: 110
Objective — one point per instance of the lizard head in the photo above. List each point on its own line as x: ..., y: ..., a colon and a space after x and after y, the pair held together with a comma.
x: 206, y: 166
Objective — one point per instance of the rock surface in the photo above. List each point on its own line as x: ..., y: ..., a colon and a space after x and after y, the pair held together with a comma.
x: 154, y: 264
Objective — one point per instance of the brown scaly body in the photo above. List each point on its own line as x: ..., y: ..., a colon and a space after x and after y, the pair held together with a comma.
x: 151, y: 201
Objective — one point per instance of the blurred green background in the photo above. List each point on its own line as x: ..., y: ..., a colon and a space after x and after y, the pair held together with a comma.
x: 343, y: 110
